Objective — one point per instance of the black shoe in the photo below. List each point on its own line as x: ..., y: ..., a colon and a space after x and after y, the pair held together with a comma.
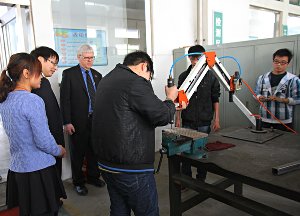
x: 96, y: 182
x: 81, y: 190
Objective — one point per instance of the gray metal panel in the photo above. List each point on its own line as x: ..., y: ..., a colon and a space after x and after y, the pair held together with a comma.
x: 234, y: 116
x: 255, y: 58
x: 264, y: 55
x: 182, y: 65
x: 297, y: 108
x: 224, y: 95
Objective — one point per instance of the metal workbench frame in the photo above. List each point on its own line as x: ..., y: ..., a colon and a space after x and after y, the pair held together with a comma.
x: 236, y: 177
x: 217, y: 190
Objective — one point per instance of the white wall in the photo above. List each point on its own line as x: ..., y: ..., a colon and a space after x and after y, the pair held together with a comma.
x: 106, y: 17
x: 170, y: 25
x: 173, y: 26
x: 235, y: 19
x: 43, y: 31
x: 44, y: 36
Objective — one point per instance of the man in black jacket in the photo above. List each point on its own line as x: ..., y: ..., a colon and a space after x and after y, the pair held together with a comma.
x: 77, y: 98
x: 49, y: 60
x: 203, y: 105
x: 126, y: 114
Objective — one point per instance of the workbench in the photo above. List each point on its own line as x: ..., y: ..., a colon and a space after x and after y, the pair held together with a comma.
x: 247, y: 163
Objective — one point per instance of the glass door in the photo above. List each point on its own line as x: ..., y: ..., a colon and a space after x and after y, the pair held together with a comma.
x: 16, y: 32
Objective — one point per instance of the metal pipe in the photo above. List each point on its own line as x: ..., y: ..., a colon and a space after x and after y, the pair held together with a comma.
x: 289, y: 167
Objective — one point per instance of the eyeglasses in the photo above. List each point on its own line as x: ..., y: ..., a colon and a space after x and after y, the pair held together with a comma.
x: 280, y: 62
x: 52, y: 62
x: 88, y: 58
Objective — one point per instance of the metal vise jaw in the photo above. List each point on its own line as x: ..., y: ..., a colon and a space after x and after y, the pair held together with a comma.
x: 184, y: 140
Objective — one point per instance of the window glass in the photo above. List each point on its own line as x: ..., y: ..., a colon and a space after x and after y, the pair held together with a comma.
x: 295, y: 2
x: 118, y: 26
x: 16, y: 32
x: 12, y: 36
x: 293, y: 23
x: 261, y: 24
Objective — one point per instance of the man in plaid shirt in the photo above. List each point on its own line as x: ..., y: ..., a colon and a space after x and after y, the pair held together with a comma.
x: 279, y: 90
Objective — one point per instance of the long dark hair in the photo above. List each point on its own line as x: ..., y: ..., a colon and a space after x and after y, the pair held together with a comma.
x: 12, y: 74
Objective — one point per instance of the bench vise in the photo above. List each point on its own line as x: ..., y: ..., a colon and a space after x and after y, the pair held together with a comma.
x: 183, y: 140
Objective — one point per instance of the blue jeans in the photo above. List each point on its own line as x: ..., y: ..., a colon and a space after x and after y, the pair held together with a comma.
x: 186, y: 168
x: 136, y: 192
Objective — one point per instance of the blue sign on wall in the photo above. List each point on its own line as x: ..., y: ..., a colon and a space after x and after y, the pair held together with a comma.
x: 218, y: 27
x: 67, y: 42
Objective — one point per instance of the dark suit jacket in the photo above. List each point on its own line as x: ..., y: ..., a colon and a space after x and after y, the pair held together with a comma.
x: 74, y: 99
x: 52, y: 110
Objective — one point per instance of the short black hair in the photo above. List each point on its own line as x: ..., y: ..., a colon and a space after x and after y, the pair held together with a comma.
x: 196, y: 49
x: 138, y: 57
x: 45, y: 52
x: 283, y: 52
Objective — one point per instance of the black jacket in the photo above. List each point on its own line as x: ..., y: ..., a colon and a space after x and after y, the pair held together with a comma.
x: 52, y: 110
x: 200, y: 110
x: 125, y: 116
x: 74, y: 99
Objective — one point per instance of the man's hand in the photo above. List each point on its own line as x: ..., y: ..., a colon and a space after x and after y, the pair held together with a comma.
x: 182, y: 107
x: 263, y: 99
x: 273, y: 98
x: 171, y: 92
x: 216, y: 125
x: 63, y: 151
x: 69, y: 129
x: 278, y: 99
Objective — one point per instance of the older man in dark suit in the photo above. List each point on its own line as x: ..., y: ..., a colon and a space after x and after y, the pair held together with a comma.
x: 77, y: 96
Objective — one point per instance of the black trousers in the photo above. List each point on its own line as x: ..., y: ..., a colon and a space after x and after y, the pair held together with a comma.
x: 80, y: 149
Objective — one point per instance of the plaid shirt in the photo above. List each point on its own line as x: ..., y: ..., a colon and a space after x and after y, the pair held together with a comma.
x: 289, y: 87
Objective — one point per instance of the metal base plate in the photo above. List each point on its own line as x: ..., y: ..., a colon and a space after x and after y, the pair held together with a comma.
x: 247, y: 135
